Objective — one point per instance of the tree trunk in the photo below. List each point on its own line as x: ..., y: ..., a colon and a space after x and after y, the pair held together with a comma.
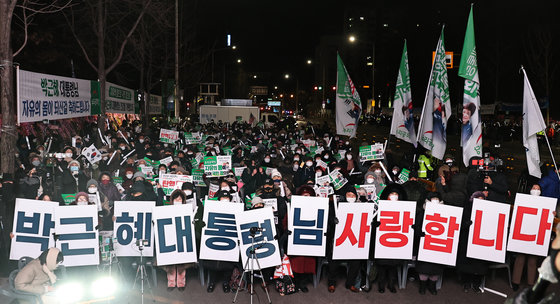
x: 9, y: 131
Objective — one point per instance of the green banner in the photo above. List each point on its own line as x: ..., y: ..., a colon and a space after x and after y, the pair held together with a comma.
x: 95, y: 98
x: 68, y: 198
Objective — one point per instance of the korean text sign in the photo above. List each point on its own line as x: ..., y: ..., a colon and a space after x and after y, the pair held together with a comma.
x: 33, y: 228
x: 308, y: 225
x: 395, y: 236
x: 353, y: 231
x: 78, y: 236
x: 219, y: 235
x: 174, y: 234
x: 43, y: 96
x: 168, y: 136
x: 488, y: 232
x: 133, y: 222
x: 215, y: 166
x: 531, y: 224
x: 441, y: 226
x: 265, y: 245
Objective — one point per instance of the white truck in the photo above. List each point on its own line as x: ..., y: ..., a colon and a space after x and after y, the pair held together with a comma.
x: 228, y: 113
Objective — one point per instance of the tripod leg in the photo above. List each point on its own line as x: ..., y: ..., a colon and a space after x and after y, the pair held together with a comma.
x: 262, y: 276
x: 241, y: 280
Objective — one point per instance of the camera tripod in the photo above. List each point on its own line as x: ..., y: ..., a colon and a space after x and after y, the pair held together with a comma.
x: 141, y: 273
x: 252, y: 258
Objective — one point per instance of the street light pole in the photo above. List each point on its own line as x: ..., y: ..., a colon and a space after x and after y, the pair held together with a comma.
x: 373, y: 71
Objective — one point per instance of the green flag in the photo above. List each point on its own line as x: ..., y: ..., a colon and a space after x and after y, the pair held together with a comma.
x: 471, y: 130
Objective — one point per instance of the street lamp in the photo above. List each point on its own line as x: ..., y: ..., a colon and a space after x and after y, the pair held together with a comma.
x: 287, y: 76
x: 352, y: 39
x: 238, y: 60
x: 309, y: 61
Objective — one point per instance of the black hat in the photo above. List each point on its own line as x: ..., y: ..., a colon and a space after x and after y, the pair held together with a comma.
x: 138, y: 187
x: 269, y: 182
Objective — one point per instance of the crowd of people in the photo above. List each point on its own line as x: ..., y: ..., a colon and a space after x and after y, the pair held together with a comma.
x: 279, y: 163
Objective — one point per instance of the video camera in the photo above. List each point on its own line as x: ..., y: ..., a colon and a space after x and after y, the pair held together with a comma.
x: 142, y: 243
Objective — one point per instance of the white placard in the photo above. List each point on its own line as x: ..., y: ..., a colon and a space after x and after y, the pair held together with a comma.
x: 166, y: 161
x: 78, y: 236
x: 265, y: 244
x: 353, y: 231
x: 395, y: 236
x: 308, y: 225
x: 174, y: 234
x: 33, y: 228
x: 488, y: 231
x: 219, y: 235
x: 133, y: 222
x: 271, y: 202
x: 441, y: 225
x: 168, y: 136
x: 531, y: 224
x: 170, y: 182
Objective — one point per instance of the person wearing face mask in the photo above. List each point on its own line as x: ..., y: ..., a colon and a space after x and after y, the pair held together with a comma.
x: 352, y: 167
x: 252, y: 177
x: 82, y: 199
x: 29, y: 184
x: 349, y: 195
x: 105, y: 215
x: 127, y: 177
x: 452, y: 185
x: 472, y: 271
x: 387, y: 268
x: 108, y: 188
x: 375, y: 176
x: 429, y: 273
x: 73, y: 179
x: 280, y: 184
x: 177, y: 273
x: 521, y: 259
x: 305, y: 173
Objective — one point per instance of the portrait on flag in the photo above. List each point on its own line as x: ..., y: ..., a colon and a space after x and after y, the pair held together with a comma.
x: 488, y: 232
x: 441, y: 227
x: 219, y: 235
x: 174, y: 234
x: 353, y: 232
x: 33, y: 228
x: 348, y: 103
x: 531, y: 224
x: 394, y: 238
x: 256, y: 231
x: 308, y: 225
x: 78, y: 235
x: 133, y: 222
x: 402, y: 123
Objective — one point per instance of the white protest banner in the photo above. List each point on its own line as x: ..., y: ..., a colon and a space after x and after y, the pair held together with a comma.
x: 43, y: 96
x: 191, y: 138
x: 308, y: 224
x: 168, y: 136
x: 219, y: 236
x: 308, y: 143
x: 78, y: 236
x: 239, y: 171
x: 33, y: 228
x: 337, y: 178
x: 368, y: 190
x: 395, y: 236
x: 353, y: 231
x: 133, y: 222
x: 215, y: 166
x: 322, y: 164
x: 373, y: 152
x: 488, y: 232
x: 154, y: 105
x: 92, y: 154
x: 170, y: 182
x: 147, y: 170
x: 166, y: 161
x: 441, y: 226
x: 174, y: 234
x: 271, y: 202
x: 119, y: 99
x: 256, y: 227
x: 531, y: 224
x: 322, y: 181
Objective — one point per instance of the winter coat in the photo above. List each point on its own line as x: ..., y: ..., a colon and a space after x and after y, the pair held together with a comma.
x: 550, y: 185
x: 454, y: 193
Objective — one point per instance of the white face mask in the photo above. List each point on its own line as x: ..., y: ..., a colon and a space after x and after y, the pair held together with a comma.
x: 348, y: 156
x: 80, y: 203
x: 536, y: 192
x: 393, y: 197
x: 92, y: 189
x: 369, y: 180
x: 326, y: 156
x: 162, y: 172
x: 188, y: 192
x: 350, y: 199
x: 267, y: 160
x: 141, y: 140
x: 122, y: 147
x: 296, y: 158
x: 318, y: 173
x: 395, y: 172
x: 177, y: 202
x: 224, y: 201
x: 226, y: 188
x: 296, y: 167
x: 436, y: 201
x: 377, y: 172
x: 309, y: 163
x: 129, y: 176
